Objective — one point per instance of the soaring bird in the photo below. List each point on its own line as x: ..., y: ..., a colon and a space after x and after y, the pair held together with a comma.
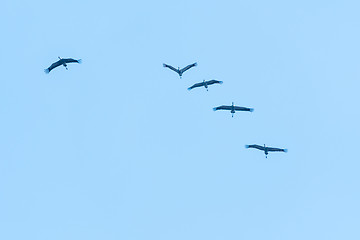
x: 180, y: 71
x: 266, y: 149
x: 205, y: 84
x: 62, y: 61
x: 233, y: 108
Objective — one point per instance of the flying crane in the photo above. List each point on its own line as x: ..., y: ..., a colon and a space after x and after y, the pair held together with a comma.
x: 61, y: 61
x: 233, y: 108
x: 266, y: 149
x: 205, y: 84
x: 180, y: 71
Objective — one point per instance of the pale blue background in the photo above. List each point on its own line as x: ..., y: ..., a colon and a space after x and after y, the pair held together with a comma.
x: 117, y: 148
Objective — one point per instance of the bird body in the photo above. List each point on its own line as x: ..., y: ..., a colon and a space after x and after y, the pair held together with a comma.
x: 205, y: 84
x: 233, y: 108
x: 62, y: 61
x: 178, y: 70
x: 266, y: 149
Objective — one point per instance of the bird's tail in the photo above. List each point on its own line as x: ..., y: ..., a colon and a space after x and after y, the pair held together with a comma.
x: 220, y: 82
x: 79, y: 61
x: 46, y: 71
x: 285, y: 150
x: 214, y: 109
x: 189, y: 88
x: 247, y: 146
x: 251, y: 110
x: 164, y: 65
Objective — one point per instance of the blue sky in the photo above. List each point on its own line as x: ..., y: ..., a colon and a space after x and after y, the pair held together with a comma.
x: 117, y: 148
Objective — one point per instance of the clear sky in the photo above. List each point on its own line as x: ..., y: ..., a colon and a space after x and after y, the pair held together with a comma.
x: 118, y: 148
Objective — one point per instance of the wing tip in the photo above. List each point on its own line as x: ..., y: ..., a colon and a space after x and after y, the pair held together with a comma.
x: 189, y: 88
x: 79, y: 61
x: 46, y: 71
x: 285, y: 150
x: 195, y: 64
x: 215, y: 108
x: 164, y: 65
x: 251, y: 110
x: 220, y: 82
x: 247, y: 146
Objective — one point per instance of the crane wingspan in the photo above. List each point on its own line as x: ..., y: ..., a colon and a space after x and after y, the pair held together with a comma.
x: 196, y: 85
x: 171, y: 67
x: 188, y: 67
x: 255, y: 146
x: 54, y: 65
x: 271, y: 149
x: 243, y: 109
x: 210, y: 82
x: 223, y: 107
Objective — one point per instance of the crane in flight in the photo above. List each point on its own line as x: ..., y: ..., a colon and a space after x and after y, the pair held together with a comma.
x: 62, y: 61
x: 233, y: 108
x: 266, y: 149
x: 178, y: 70
x: 205, y: 84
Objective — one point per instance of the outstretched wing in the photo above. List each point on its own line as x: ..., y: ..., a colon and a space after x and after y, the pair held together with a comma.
x: 210, y: 82
x: 71, y: 60
x: 54, y: 65
x: 196, y: 85
x: 223, y: 107
x: 243, y: 109
x: 171, y: 67
x: 255, y: 146
x: 271, y: 149
x: 188, y: 67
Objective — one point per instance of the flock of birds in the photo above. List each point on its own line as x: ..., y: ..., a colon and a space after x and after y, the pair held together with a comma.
x: 205, y: 84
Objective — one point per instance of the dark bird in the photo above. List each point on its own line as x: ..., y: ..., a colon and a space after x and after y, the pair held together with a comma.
x: 205, y: 84
x: 62, y: 61
x: 233, y: 108
x: 266, y: 149
x: 180, y: 71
